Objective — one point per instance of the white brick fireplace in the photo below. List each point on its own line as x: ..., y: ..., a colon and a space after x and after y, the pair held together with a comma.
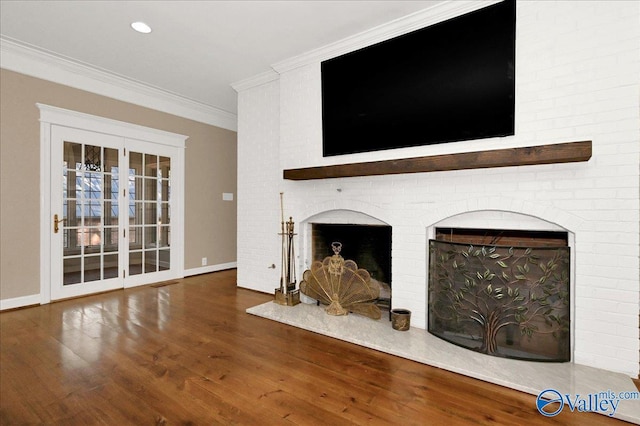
x: 577, y: 79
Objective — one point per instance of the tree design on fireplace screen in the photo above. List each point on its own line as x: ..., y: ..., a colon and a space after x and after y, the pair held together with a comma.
x: 509, y: 302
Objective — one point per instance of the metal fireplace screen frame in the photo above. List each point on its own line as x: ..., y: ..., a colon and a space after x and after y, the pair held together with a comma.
x: 510, y: 302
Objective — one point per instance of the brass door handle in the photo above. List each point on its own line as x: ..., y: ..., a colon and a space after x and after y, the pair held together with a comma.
x: 56, y: 221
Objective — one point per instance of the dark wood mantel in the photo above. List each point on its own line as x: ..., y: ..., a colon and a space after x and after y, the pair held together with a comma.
x: 569, y: 152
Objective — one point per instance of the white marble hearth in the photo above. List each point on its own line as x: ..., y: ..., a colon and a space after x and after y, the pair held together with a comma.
x: 418, y: 345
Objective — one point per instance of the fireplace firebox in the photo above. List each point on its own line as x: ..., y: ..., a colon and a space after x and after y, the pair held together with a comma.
x: 368, y: 245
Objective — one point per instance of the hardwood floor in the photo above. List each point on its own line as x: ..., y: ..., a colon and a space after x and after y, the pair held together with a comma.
x: 187, y: 353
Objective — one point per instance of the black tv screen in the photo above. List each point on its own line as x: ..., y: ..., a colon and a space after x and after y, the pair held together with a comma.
x: 451, y: 81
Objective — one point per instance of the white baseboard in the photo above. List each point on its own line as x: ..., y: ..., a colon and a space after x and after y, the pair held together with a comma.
x: 19, y: 302
x: 34, y: 299
x: 210, y: 268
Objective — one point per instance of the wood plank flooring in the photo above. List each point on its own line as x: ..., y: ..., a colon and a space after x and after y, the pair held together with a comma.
x: 188, y: 353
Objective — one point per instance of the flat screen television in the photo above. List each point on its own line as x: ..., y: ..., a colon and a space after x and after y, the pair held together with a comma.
x: 451, y: 81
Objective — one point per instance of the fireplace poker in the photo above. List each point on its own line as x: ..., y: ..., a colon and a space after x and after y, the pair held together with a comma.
x: 283, y: 273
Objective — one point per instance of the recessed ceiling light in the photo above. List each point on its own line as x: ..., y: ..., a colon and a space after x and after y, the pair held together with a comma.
x: 141, y: 27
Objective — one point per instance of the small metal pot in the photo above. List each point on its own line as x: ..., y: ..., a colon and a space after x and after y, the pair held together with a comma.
x: 400, y: 319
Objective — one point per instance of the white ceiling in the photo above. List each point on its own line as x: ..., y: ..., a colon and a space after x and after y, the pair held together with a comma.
x: 197, y: 48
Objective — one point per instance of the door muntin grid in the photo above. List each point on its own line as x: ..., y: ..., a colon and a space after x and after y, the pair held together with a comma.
x: 149, y: 205
x: 90, y: 188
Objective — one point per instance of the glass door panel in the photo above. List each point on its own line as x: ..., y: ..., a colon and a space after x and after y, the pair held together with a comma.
x: 149, y: 224
x: 90, y: 211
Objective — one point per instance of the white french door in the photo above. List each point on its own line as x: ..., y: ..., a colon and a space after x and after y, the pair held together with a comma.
x: 87, y: 242
x: 150, y: 204
x: 114, y: 211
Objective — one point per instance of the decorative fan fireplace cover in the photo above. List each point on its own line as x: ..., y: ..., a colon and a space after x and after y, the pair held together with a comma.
x: 341, y: 285
x: 509, y: 302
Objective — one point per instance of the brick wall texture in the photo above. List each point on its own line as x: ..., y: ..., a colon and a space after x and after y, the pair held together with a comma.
x: 577, y: 78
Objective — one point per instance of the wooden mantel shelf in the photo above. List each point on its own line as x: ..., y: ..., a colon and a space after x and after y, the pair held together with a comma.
x: 569, y: 152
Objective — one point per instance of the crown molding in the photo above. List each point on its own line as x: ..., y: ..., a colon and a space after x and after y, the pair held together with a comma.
x: 423, y: 18
x: 256, y: 80
x: 429, y: 16
x: 39, y: 63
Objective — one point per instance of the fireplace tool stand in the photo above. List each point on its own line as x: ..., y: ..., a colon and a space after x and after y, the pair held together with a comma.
x: 287, y: 294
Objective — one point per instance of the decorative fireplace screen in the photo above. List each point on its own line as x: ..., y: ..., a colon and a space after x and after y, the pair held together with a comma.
x: 509, y: 302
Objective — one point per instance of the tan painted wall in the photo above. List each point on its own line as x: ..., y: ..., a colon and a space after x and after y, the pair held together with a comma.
x: 210, y: 223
